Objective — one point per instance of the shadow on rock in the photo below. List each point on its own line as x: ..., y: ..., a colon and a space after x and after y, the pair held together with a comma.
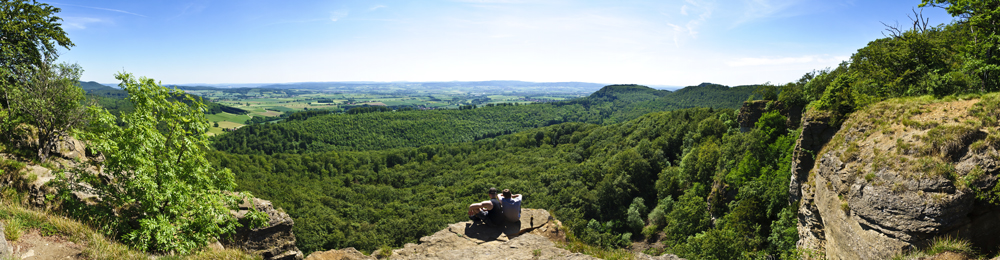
x: 483, y: 232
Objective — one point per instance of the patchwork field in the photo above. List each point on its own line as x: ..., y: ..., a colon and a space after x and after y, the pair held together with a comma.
x: 267, y: 102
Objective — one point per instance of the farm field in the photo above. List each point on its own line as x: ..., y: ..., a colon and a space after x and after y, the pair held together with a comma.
x: 268, y: 102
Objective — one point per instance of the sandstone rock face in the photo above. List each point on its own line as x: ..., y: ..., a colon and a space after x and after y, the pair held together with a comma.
x: 532, y: 238
x: 816, y: 132
x: 273, y: 241
x: 896, y: 176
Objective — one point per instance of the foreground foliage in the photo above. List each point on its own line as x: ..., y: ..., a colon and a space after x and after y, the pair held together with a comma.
x: 159, y: 192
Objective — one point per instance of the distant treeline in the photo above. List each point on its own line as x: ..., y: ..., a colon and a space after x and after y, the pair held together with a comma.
x: 113, y: 99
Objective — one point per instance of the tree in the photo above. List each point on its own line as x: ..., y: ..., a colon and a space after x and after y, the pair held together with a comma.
x: 51, y: 101
x: 981, y: 16
x: 767, y: 91
x: 29, y: 34
x: 158, y: 190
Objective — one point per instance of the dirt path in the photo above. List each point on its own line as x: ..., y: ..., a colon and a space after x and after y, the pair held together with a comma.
x: 33, y: 246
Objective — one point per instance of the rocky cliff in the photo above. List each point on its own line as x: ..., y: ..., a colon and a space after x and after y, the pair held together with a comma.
x: 898, y: 174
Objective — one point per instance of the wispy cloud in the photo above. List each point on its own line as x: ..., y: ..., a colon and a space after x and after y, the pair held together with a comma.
x: 376, y: 7
x: 192, y: 8
x: 101, y: 8
x: 81, y: 22
x: 691, y: 27
x: 338, y: 14
x: 757, y: 9
x: 769, y: 61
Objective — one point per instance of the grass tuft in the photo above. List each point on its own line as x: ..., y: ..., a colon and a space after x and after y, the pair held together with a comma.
x: 942, y: 245
x: 950, y: 244
x: 946, y: 140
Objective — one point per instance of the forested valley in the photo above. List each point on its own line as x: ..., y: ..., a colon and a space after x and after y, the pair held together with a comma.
x: 382, y: 130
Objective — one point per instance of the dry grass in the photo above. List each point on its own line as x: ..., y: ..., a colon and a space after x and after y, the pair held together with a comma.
x: 940, y: 246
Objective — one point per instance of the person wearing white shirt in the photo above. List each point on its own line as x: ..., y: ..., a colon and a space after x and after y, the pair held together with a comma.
x: 511, y: 205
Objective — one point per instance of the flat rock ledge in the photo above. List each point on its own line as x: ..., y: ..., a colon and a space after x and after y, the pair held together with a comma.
x: 529, y: 239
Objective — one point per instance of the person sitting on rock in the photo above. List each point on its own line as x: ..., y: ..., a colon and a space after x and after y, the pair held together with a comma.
x: 511, y: 205
x: 487, y: 211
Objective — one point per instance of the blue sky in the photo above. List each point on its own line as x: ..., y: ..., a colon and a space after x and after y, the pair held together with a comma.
x: 677, y: 43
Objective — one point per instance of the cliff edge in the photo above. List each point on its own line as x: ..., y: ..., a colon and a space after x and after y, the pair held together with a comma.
x: 899, y: 174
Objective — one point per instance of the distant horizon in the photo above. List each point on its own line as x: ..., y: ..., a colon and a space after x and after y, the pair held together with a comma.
x: 253, y: 85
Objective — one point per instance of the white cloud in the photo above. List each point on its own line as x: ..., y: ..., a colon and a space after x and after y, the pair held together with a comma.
x: 81, y: 22
x: 770, y: 61
x: 757, y: 9
x: 338, y: 14
x: 691, y: 27
x: 376, y: 7
x: 101, y: 8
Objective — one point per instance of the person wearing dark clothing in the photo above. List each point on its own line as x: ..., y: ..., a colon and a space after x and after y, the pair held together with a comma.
x: 487, y: 211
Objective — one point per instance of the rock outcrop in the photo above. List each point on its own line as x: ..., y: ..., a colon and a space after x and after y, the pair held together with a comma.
x: 69, y: 155
x: 468, y: 240
x: 274, y: 241
x: 531, y: 238
x: 897, y: 175
x: 751, y: 111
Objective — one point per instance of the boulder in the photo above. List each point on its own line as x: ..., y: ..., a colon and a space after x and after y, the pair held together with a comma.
x: 69, y: 148
x: 273, y: 241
